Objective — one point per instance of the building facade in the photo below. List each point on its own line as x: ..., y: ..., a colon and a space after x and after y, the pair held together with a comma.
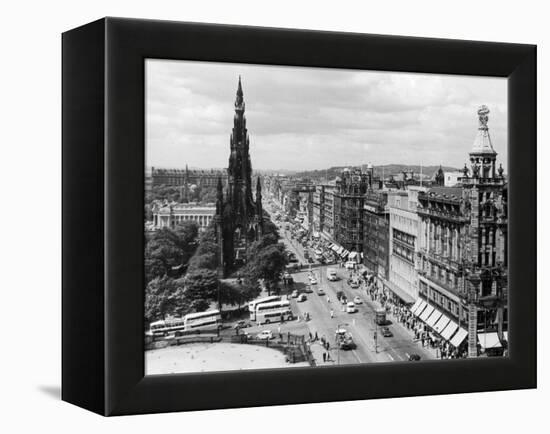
x: 169, y: 215
x: 183, y: 177
x: 349, y: 196
x: 403, y: 235
x: 376, y: 233
x: 463, y: 248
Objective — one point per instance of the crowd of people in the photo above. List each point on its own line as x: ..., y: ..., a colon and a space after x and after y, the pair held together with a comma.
x: 420, y: 331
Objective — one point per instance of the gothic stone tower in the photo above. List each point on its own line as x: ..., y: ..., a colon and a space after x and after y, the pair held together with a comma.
x: 241, y: 220
x: 486, y: 242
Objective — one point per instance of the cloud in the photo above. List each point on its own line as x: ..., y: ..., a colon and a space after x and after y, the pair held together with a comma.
x: 313, y: 118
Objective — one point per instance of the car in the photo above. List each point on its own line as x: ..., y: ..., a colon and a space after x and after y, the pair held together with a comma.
x: 350, y: 307
x: 242, y: 324
x: 354, y: 283
x: 357, y: 300
x: 414, y: 358
x: 265, y: 335
x: 320, y: 291
x: 301, y: 297
x: 350, y: 265
x: 348, y: 344
x: 386, y: 332
x: 294, y: 294
x: 286, y: 275
x: 312, y: 280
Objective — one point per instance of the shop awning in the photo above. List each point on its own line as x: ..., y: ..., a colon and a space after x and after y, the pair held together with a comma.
x: 441, y: 324
x: 432, y: 319
x: 415, y: 305
x: 427, y: 312
x: 449, y: 330
x: 489, y: 340
x: 459, y: 337
x: 420, y: 308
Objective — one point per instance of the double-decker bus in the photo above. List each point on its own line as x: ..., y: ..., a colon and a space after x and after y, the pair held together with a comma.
x: 273, y: 312
x: 252, y: 305
x: 166, y: 326
x: 209, y: 320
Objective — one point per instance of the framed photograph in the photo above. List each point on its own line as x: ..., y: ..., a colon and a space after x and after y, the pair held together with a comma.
x: 258, y: 216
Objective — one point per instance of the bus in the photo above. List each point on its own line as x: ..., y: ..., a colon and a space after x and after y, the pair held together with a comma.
x: 380, y: 316
x: 164, y: 327
x: 252, y: 305
x: 209, y: 320
x: 273, y: 312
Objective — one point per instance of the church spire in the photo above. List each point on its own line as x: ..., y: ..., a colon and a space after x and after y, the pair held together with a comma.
x: 239, y: 101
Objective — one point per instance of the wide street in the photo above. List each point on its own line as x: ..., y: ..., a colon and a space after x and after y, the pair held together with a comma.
x: 360, y: 324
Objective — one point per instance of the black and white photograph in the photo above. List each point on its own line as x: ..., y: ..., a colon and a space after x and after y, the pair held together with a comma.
x: 315, y: 217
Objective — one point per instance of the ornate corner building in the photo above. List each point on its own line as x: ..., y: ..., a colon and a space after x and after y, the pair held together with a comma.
x: 463, y: 249
x: 238, y: 218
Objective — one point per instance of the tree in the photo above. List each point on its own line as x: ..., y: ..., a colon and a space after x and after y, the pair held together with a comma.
x: 164, y: 296
x: 269, y: 264
x: 201, y: 286
x: 166, y: 250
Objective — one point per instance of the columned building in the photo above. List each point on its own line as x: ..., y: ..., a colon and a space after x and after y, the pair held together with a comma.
x: 239, y: 218
x: 169, y: 215
x: 463, y: 248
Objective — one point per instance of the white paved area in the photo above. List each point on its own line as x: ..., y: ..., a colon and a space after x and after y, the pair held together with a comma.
x: 190, y: 358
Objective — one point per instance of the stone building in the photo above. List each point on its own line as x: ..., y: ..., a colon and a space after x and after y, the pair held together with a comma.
x: 403, y: 235
x: 168, y: 215
x: 463, y: 250
x: 186, y: 177
x: 349, y: 196
x: 376, y: 233
x: 239, y: 217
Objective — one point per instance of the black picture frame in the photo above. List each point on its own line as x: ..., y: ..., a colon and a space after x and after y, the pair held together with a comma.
x: 103, y: 179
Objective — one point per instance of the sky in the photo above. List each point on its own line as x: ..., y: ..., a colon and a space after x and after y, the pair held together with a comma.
x: 315, y: 118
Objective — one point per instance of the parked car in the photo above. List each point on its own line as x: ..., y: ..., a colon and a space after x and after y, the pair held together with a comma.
x: 312, y: 280
x: 414, y: 357
x: 301, y: 297
x: 320, y: 291
x: 354, y: 283
x: 350, y: 307
x: 294, y: 294
x: 265, y: 335
x: 386, y: 332
x: 358, y: 300
x: 242, y: 324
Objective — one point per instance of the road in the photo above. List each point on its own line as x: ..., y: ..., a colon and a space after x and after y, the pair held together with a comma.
x: 361, y: 324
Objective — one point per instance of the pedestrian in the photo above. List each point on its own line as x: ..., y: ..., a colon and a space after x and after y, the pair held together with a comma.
x: 316, y: 336
x: 331, y: 313
x: 310, y: 336
x: 328, y: 299
x: 324, y: 357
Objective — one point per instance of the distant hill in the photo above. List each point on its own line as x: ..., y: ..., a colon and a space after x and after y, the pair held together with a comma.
x: 386, y: 170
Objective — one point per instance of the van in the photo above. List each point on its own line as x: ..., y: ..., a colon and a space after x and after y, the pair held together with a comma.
x: 331, y: 274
